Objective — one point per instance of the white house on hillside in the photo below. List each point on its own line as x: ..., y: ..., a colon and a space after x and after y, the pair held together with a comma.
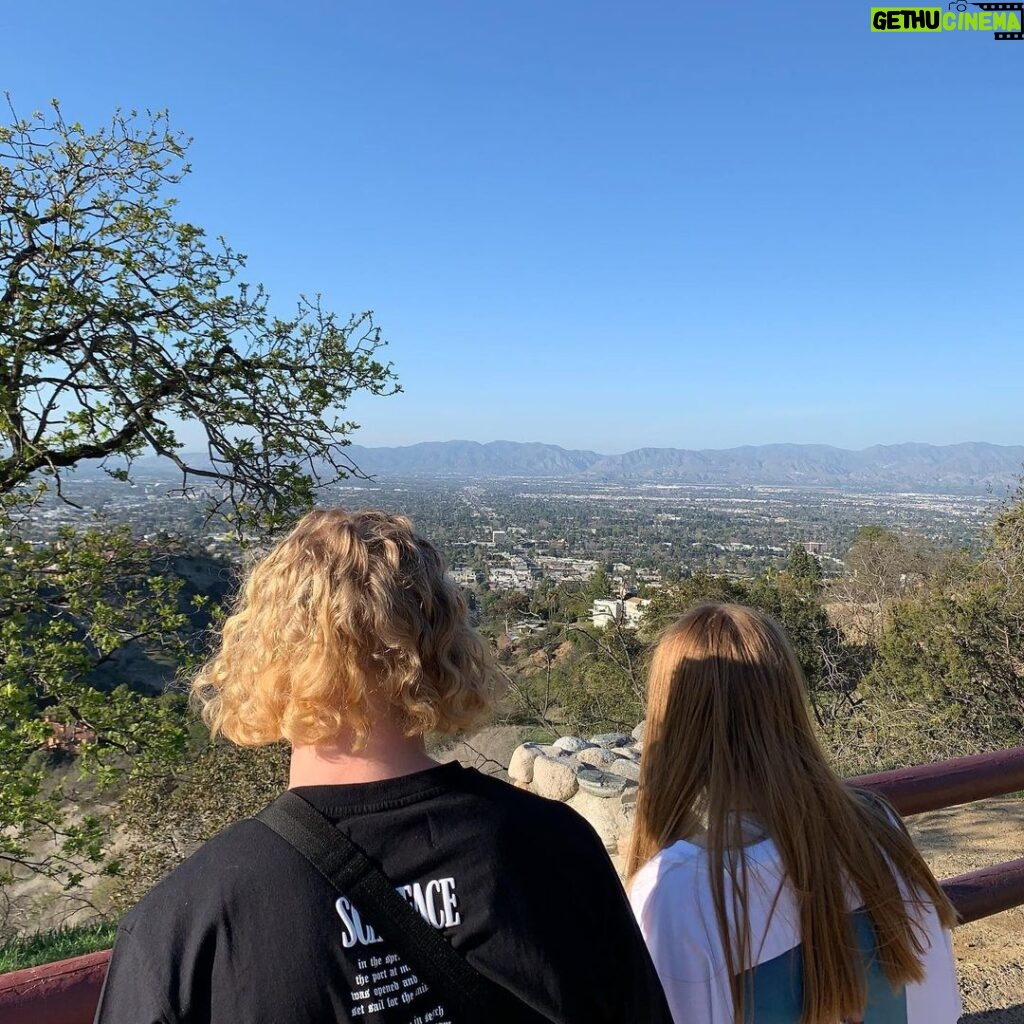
x: 633, y: 609
x: 606, y: 610
x: 609, y: 610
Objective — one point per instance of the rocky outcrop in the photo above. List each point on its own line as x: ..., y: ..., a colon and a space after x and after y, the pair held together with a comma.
x: 597, y: 777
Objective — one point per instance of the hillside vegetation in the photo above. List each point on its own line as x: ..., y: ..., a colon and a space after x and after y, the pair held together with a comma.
x: 912, y: 654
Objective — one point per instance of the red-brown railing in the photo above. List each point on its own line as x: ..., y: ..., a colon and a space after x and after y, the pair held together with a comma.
x: 67, y: 992
x: 62, y: 993
x: 961, y: 780
x: 930, y: 787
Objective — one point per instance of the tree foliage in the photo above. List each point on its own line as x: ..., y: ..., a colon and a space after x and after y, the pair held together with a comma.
x: 956, y: 647
x: 603, y: 685
x: 68, y: 611
x: 118, y: 322
x: 119, y: 325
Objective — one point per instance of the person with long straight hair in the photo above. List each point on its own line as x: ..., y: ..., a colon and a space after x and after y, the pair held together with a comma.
x: 767, y: 889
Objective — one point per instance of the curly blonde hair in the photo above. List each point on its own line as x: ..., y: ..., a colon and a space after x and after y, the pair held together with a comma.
x: 348, y: 618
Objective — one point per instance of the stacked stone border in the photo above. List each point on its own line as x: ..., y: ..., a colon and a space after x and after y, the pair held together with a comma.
x: 596, y: 777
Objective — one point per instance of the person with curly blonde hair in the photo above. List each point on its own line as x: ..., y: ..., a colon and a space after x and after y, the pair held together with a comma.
x: 349, y: 641
x: 350, y: 621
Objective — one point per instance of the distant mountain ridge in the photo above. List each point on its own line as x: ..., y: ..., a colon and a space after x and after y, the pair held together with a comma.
x: 971, y: 467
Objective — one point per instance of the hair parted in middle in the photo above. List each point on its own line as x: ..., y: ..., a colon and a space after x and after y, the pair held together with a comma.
x: 729, y: 739
x: 349, y: 617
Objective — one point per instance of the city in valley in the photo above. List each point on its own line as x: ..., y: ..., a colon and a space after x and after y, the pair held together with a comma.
x: 518, y: 535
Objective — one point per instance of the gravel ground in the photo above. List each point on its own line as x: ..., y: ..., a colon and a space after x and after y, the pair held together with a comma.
x: 990, y: 952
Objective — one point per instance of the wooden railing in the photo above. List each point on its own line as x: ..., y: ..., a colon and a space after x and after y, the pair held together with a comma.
x: 962, y: 780
x: 930, y: 787
x: 62, y: 993
x: 67, y: 992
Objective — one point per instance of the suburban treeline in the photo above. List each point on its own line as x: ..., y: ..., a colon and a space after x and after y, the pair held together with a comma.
x: 913, y: 652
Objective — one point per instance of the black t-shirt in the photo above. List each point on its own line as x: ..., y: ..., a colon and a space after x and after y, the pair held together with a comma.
x: 247, y: 931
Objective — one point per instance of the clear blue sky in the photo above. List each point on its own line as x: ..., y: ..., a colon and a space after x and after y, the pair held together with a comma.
x: 603, y: 225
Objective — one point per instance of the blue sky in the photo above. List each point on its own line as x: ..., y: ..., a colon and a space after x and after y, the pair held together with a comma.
x: 600, y: 225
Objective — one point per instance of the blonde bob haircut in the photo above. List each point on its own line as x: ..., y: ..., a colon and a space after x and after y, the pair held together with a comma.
x: 348, y: 619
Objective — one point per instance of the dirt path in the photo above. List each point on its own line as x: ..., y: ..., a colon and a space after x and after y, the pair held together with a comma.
x: 990, y: 952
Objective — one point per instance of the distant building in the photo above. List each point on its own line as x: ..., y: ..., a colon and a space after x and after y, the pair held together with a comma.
x: 648, y: 576
x: 815, y: 547
x: 566, y: 570
x: 628, y: 612
x: 606, y: 611
x: 463, y: 576
x: 633, y: 609
x: 499, y: 538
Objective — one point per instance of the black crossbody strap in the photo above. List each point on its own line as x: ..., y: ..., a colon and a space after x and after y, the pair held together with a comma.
x: 354, y: 874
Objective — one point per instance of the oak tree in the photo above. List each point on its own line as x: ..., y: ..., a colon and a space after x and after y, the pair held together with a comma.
x: 127, y: 332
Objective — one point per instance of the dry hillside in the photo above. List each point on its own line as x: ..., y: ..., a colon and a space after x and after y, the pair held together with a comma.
x: 990, y: 952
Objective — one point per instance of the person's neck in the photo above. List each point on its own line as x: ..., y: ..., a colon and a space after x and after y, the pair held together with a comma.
x: 388, y: 754
x: 750, y: 830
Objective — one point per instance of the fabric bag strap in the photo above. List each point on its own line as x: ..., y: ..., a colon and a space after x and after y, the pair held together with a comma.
x: 354, y: 874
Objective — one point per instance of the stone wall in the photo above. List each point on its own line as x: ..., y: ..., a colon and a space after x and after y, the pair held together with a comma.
x: 596, y: 777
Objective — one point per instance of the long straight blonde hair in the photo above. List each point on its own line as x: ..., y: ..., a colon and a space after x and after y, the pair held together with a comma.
x: 729, y: 734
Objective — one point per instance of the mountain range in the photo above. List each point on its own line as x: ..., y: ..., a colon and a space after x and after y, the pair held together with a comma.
x: 969, y: 468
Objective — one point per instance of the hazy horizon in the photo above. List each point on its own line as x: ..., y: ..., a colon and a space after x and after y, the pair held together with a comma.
x: 706, y: 448
x: 358, y: 439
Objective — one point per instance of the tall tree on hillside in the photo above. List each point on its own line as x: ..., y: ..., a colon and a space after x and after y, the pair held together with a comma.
x: 803, y: 567
x: 950, y: 654
x: 119, y: 324
x: 678, y: 596
x: 599, y: 585
x: 882, y: 566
